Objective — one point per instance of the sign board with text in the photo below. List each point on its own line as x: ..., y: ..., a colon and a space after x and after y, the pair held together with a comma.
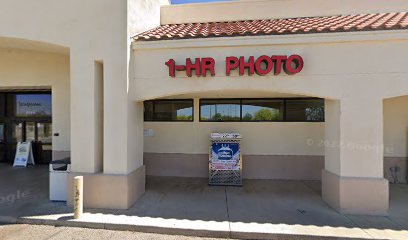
x: 24, y: 155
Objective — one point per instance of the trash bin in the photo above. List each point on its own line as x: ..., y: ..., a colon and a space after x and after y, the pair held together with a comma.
x: 59, y: 170
x: 225, y: 163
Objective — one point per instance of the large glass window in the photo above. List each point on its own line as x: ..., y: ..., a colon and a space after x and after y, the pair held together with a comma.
x: 33, y: 105
x: 1, y: 132
x: 305, y: 110
x: 220, y: 110
x: 44, y: 132
x: 16, y: 130
x: 168, y: 110
x: 262, y: 110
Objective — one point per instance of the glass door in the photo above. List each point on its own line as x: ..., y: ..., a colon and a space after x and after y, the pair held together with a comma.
x: 15, y: 132
x: 44, y: 141
x: 2, y: 143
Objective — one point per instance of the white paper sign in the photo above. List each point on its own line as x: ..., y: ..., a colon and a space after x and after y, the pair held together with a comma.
x: 148, y: 132
x: 24, y: 155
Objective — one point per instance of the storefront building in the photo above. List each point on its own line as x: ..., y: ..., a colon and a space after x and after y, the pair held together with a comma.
x: 317, y: 89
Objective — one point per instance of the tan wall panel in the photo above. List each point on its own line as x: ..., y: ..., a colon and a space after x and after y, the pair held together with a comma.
x: 254, y: 166
x: 263, y: 138
x: 31, y: 69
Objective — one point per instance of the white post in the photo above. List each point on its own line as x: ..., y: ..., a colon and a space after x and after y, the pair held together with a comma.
x: 78, y: 196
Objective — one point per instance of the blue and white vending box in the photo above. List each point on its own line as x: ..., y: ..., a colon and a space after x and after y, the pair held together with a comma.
x: 225, y: 165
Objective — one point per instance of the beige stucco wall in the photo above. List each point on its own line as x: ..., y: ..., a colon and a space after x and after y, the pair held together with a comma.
x: 88, y: 31
x: 28, y: 69
x: 267, y: 9
x: 342, y: 67
x: 144, y: 15
x: 328, y: 71
x: 91, y: 30
x: 262, y: 138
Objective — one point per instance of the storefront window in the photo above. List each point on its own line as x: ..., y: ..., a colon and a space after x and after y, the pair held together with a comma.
x: 262, y: 110
x: 44, y: 132
x: 307, y: 110
x: 30, y: 131
x: 220, y: 110
x: 168, y: 110
x: 33, y: 105
x: 1, y: 132
x: 16, y: 132
x: 148, y: 110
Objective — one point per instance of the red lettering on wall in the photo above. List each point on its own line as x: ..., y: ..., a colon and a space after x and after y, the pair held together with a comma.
x: 196, y: 66
x: 230, y: 64
x: 263, y: 65
x: 278, y: 60
x: 207, y: 64
x: 172, y: 70
x: 269, y: 64
x: 249, y: 65
x: 294, y: 64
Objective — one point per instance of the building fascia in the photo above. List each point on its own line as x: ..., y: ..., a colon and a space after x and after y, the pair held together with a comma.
x: 315, y: 38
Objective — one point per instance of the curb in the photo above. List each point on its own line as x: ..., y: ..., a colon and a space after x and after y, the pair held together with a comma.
x: 127, y: 227
x: 8, y: 220
x: 171, y: 231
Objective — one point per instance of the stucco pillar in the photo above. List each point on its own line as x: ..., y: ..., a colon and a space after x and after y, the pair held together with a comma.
x: 352, y: 181
x: 82, y: 113
x: 116, y: 178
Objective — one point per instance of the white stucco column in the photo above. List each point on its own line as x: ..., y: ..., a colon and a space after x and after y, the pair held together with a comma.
x: 115, y: 115
x: 135, y: 135
x: 82, y: 113
x: 352, y: 181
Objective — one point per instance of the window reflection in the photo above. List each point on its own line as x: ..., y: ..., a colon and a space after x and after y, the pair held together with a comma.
x: 1, y: 132
x: 148, y: 110
x: 305, y: 110
x: 44, y: 132
x: 16, y: 132
x: 30, y: 131
x: 168, y: 110
x: 262, y: 110
x: 258, y: 110
x: 220, y: 110
x: 33, y: 105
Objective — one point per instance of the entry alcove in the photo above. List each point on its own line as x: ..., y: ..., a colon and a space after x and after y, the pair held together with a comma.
x: 26, y: 115
x: 280, y: 132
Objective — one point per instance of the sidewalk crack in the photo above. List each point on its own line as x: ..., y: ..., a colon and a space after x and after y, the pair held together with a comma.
x: 228, y: 216
x: 359, y: 226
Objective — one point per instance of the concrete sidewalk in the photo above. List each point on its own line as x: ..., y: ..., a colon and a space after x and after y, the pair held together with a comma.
x: 188, y: 206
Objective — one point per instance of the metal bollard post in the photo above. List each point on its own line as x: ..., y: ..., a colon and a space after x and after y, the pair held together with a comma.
x: 78, y: 196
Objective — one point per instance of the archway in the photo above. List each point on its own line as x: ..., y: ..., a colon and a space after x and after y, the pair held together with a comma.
x: 395, y: 153
x: 34, y: 107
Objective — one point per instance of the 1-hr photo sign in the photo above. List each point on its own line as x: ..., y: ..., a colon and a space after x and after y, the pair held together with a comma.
x: 262, y: 65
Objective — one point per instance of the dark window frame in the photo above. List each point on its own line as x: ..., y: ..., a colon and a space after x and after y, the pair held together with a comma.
x: 324, y: 110
x: 8, y: 145
x: 168, y: 100
x: 284, y: 114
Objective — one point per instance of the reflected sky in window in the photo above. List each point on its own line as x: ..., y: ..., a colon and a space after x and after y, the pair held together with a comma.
x: 33, y: 105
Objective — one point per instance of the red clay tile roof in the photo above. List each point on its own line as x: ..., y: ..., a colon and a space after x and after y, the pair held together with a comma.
x: 303, y: 25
